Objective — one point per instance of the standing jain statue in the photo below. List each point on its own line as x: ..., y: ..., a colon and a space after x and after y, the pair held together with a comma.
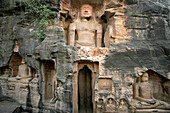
x: 85, y: 31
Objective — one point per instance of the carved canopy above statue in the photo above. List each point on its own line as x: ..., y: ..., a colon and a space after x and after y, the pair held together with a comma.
x: 91, y: 2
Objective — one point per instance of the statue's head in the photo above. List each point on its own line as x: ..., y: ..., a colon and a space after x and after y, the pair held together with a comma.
x: 86, y: 10
x: 22, y: 61
x: 110, y: 101
x: 122, y: 102
x: 6, y: 71
x: 100, y: 101
x: 145, y: 77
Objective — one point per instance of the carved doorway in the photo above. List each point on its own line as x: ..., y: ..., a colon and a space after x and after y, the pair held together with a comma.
x: 49, y: 73
x: 85, y: 104
x: 84, y: 78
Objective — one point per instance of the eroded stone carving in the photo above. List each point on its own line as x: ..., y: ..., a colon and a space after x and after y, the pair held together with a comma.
x: 111, y: 105
x: 86, y: 31
x: 24, y: 72
x: 105, y: 84
x: 123, y: 106
x: 143, y: 95
x: 100, y: 105
x: 35, y: 97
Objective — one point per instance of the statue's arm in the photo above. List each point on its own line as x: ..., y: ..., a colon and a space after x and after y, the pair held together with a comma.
x: 72, y: 29
x: 152, y: 92
x: 108, y: 34
x: 29, y: 73
x: 99, y: 35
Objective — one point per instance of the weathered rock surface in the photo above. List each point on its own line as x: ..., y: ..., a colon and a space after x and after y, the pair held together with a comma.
x: 8, y: 107
x: 149, y: 43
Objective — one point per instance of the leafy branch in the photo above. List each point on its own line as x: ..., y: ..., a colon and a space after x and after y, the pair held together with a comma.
x: 41, y: 16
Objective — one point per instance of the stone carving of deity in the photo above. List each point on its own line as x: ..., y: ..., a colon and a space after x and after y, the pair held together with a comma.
x: 143, y: 95
x: 111, y: 106
x: 23, y: 71
x: 123, y: 106
x: 100, y: 106
x: 85, y: 31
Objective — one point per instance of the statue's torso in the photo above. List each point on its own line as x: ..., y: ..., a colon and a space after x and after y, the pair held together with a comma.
x: 86, y: 34
x: 23, y: 70
x: 145, y: 90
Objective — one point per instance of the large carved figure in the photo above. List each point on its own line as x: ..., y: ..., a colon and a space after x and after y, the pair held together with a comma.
x: 143, y: 95
x: 86, y: 31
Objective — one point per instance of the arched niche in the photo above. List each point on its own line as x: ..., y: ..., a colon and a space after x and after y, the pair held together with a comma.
x: 14, y: 63
x: 158, y: 81
x: 48, y: 79
x: 85, y: 73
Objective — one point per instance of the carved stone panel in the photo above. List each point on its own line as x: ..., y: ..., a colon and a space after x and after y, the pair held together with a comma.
x: 105, y: 84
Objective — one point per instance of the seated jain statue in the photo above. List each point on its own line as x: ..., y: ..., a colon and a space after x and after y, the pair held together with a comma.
x: 85, y: 31
x: 23, y: 71
x: 123, y: 106
x: 111, y: 105
x: 143, y: 95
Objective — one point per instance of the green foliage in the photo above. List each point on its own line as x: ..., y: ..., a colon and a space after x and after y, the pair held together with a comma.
x: 166, y: 1
x: 41, y: 16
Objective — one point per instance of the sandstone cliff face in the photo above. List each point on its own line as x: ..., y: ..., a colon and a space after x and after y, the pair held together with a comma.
x: 141, y: 42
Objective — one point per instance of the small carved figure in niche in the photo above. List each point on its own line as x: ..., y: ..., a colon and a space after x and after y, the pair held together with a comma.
x: 123, y: 106
x: 143, y: 95
x: 100, y: 106
x: 111, y: 106
x: 6, y: 72
x: 59, y: 91
x: 23, y: 71
x: 86, y: 31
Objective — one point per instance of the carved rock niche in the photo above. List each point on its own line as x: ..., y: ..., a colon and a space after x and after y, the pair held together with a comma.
x: 14, y: 63
x: 158, y: 81
x: 105, y: 84
x: 49, y: 77
x: 79, y: 22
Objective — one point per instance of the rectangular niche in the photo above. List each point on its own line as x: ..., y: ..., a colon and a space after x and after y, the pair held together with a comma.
x: 105, y: 84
